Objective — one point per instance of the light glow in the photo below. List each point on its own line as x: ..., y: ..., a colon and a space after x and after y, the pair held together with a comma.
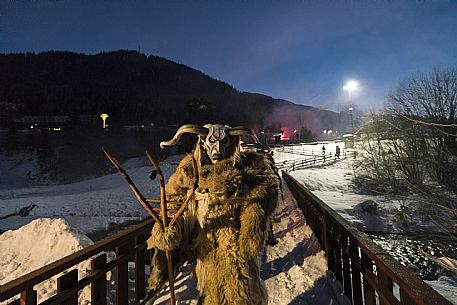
x: 104, y: 116
x: 350, y: 86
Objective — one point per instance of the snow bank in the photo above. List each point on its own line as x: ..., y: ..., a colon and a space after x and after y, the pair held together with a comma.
x: 447, y: 287
x: 36, y: 244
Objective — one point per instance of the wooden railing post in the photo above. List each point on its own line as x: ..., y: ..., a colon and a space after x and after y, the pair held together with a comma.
x: 356, y: 281
x: 346, y: 266
x: 28, y: 297
x: 69, y: 281
x: 98, y: 287
x: 338, y: 262
x: 405, y: 299
x: 140, y: 280
x: 122, y: 277
x: 385, y: 284
x: 329, y: 251
x: 368, y: 291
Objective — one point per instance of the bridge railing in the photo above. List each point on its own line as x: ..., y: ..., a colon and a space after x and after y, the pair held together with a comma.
x: 128, y: 245
x: 368, y: 274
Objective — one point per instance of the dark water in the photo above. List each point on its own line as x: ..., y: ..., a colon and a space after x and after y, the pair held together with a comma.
x: 405, y: 249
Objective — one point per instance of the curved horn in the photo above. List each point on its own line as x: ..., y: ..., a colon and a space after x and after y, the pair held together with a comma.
x: 244, y: 131
x: 188, y: 128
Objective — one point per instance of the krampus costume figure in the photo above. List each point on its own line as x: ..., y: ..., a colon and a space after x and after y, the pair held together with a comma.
x: 224, y: 227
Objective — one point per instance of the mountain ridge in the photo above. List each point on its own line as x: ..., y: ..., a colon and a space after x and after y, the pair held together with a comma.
x: 135, y: 88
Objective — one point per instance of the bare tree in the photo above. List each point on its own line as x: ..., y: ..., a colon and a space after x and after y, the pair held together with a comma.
x: 428, y: 103
x: 412, y: 145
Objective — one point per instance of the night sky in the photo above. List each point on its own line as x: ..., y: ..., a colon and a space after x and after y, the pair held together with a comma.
x: 303, y: 51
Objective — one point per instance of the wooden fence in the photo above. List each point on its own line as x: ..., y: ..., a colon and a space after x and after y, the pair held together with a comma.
x: 128, y: 245
x: 310, y: 160
x: 368, y: 274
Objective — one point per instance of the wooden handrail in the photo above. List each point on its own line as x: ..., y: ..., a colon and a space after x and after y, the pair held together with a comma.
x: 351, y: 255
x: 27, y: 281
x: 342, y: 243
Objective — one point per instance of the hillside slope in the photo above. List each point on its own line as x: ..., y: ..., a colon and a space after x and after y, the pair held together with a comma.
x: 138, y: 89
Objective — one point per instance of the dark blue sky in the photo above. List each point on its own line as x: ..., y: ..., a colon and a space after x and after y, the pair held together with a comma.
x: 300, y: 50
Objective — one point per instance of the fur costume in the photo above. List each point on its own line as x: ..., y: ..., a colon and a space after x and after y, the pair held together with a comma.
x: 223, y: 229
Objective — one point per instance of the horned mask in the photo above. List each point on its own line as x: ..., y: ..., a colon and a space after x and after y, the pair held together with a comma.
x: 217, y: 141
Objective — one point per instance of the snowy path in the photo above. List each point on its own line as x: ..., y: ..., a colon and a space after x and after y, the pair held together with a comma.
x: 294, y: 270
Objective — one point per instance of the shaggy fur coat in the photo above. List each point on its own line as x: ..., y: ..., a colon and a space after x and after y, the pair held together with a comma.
x: 223, y: 229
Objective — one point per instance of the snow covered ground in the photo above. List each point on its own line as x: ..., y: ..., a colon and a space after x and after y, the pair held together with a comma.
x: 295, y: 270
x: 87, y: 206
x: 332, y: 183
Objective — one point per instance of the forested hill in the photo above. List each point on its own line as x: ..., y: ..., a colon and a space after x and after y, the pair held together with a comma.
x: 137, y: 89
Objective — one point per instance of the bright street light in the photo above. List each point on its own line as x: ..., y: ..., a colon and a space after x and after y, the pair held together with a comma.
x: 104, y: 116
x: 350, y: 86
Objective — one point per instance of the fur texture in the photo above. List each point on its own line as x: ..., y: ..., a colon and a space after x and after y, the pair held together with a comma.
x: 224, y: 228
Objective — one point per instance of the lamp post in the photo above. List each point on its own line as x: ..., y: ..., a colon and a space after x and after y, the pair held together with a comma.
x: 350, y: 87
x: 104, y: 116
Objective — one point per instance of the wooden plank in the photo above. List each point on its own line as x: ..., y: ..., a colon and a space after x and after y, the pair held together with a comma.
x: 98, y: 286
x: 68, y: 282
x: 346, y: 267
x: 28, y: 297
x: 15, y: 302
x: 338, y: 262
x: 356, y: 280
x: 386, y: 286
x: 140, y: 280
x: 368, y: 290
x: 329, y: 250
x: 405, y: 298
x: 122, y: 292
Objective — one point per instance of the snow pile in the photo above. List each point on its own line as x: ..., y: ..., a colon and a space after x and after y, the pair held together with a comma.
x: 37, y: 244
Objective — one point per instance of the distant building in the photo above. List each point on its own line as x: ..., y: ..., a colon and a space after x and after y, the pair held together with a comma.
x: 348, y: 140
x: 43, y: 122
x: 88, y: 119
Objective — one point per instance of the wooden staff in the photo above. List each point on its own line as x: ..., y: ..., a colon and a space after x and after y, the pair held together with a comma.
x: 163, y: 206
x: 144, y: 202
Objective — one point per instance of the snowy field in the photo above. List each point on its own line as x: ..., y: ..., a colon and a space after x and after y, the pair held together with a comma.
x: 295, y: 269
x: 86, y: 206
